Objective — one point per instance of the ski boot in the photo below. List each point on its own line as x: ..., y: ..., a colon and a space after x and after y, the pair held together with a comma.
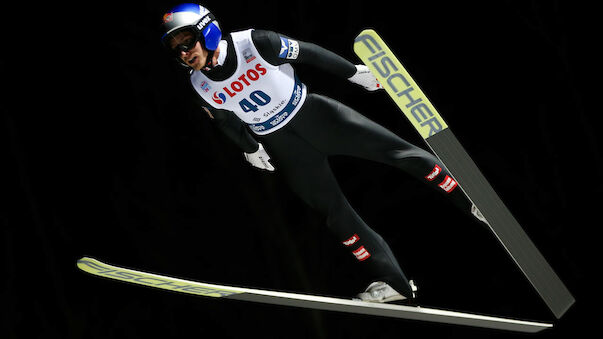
x: 381, y: 292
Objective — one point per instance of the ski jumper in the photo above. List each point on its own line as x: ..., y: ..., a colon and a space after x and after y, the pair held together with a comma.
x: 256, y: 96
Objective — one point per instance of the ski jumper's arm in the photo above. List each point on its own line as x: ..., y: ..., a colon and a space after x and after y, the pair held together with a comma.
x: 234, y: 129
x: 270, y: 45
x: 279, y: 49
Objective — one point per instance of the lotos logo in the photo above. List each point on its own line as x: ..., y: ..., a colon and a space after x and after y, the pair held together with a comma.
x: 219, y: 98
x: 252, y: 74
x: 243, y: 81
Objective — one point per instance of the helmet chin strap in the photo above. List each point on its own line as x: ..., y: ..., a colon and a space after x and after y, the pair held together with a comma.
x: 209, y: 65
x: 210, y: 60
x: 220, y: 58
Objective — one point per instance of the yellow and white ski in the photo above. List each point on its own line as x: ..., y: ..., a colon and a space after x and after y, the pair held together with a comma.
x: 415, y: 105
x: 101, y: 269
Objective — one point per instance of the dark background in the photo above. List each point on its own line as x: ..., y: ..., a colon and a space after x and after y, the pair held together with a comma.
x: 105, y: 155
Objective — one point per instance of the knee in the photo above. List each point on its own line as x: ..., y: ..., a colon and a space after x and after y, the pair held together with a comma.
x: 414, y: 153
x: 415, y: 159
x: 341, y: 218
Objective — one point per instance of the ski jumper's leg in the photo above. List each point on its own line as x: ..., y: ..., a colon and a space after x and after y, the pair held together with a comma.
x: 307, y: 171
x: 345, y: 131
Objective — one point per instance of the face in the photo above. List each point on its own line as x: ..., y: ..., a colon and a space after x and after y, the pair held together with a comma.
x: 195, y: 57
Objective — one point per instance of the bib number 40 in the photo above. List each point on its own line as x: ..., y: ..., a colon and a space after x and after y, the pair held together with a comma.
x: 258, y: 98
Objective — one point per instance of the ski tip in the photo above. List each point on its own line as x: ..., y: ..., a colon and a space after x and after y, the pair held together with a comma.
x: 84, y: 260
x: 367, y: 31
x: 88, y: 264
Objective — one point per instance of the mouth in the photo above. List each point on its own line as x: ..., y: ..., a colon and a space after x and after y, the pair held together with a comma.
x: 192, y: 61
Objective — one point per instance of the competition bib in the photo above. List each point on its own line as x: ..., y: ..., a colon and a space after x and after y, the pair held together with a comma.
x: 262, y: 95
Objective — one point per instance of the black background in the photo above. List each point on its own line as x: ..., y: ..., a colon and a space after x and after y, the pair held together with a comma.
x: 105, y: 156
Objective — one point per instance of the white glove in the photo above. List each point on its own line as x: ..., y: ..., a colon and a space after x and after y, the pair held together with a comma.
x: 259, y: 159
x: 365, y: 78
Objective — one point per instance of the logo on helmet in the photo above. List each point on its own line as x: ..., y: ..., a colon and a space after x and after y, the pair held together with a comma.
x: 219, y: 98
x: 206, y: 20
x: 168, y: 17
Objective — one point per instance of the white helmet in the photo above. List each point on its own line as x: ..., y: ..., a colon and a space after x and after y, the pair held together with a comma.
x: 193, y: 18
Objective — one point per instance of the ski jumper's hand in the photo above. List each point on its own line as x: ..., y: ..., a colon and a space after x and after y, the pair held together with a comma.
x: 259, y: 159
x: 365, y: 78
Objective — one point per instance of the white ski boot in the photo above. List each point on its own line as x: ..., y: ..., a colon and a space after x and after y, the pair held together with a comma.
x: 381, y: 292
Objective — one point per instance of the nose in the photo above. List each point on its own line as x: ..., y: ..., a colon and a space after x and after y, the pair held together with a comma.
x: 184, y: 55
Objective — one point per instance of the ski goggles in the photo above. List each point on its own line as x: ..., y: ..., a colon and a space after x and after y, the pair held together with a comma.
x: 187, y: 39
x: 207, y: 31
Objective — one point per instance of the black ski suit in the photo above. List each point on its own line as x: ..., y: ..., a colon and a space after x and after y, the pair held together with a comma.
x: 325, y: 127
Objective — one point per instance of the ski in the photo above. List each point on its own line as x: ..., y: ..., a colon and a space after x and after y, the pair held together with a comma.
x: 99, y: 268
x: 433, y: 129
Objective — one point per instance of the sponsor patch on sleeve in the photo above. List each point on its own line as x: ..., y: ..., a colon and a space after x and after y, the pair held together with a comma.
x: 361, y: 253
x: 434, y: 173
x: 352, y: 240
x: 289, y: 48
x: 448, y: 184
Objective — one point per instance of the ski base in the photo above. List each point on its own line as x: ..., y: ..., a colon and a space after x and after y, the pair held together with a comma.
x: 502, y: 223
x: 99, y: 268
x: 415, y: 105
